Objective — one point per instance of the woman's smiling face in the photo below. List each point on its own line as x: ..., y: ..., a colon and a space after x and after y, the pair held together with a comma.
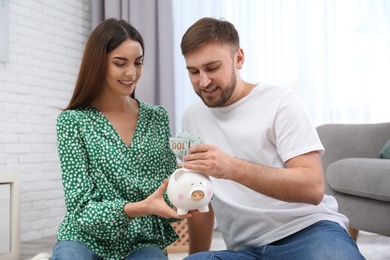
x: 124, y: 68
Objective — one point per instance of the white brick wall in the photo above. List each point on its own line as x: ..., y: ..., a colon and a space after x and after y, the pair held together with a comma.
x: 47, y: 39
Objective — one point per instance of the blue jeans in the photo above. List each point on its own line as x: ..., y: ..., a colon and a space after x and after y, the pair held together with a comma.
x: 71, y: 250
x: 323, y: 240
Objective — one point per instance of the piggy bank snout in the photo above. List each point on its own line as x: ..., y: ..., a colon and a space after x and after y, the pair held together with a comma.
x: 197, y: 195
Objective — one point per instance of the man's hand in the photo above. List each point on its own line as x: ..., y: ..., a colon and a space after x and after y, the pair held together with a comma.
x: 210, y: 160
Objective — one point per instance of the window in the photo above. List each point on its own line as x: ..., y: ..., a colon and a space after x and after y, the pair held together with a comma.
x: 336, y: 54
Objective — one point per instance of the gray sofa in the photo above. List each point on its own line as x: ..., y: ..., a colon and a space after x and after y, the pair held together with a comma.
x: 355, y: 176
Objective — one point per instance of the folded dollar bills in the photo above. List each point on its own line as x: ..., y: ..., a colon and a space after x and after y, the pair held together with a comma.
x: 181, y: 144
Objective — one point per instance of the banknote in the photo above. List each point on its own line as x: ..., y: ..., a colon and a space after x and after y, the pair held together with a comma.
x: 192, y: 137
x: 181, y: 144
x: 179, y: 147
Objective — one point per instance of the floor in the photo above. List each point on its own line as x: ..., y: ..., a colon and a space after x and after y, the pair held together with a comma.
x: 372, y: 246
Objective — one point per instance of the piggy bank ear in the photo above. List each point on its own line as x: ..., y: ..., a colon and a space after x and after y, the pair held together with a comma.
x: 178, y: 173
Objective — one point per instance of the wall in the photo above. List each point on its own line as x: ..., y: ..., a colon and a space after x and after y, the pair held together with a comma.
x: 46, y: 42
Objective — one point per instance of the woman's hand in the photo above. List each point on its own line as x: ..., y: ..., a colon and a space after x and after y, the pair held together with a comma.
x: 153, y: 205
x: 156, y: 205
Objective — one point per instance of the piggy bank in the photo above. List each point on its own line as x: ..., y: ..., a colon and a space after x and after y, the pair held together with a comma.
x: 189, y: 190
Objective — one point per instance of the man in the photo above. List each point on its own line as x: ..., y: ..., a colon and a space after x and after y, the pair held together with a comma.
x: 262, y: 154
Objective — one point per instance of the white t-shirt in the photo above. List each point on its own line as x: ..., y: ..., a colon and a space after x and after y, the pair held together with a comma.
x: 268, y: 127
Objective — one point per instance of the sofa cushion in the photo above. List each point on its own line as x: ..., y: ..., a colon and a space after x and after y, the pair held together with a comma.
x: 363, y: 177
x: 385, y: 152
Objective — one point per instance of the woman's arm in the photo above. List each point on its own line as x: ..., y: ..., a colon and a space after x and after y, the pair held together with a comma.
x: 84, y: 202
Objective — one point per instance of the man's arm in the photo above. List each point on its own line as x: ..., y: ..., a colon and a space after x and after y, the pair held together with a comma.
x: 200, y: 231
x: 301, y: 181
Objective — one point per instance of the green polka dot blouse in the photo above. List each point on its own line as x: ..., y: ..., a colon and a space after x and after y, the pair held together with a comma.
x: 100, y: 174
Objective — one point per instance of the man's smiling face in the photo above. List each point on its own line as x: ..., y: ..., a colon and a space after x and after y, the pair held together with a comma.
x: 212, y: 72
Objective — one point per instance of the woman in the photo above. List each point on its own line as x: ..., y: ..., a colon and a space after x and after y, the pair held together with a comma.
x: 115, y: 156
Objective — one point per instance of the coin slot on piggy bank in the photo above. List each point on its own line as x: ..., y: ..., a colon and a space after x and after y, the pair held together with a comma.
x: 189, y: 190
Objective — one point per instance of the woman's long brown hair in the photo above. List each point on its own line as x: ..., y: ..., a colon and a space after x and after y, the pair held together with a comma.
x: 107, y: 36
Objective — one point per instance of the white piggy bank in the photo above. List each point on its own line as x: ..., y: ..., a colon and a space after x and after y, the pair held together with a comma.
x: 189, y: 190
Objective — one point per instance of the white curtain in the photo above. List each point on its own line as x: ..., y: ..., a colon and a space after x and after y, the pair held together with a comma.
x: 335, y: 53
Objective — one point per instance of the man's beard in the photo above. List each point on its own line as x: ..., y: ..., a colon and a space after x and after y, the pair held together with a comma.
x: 224, y: 97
